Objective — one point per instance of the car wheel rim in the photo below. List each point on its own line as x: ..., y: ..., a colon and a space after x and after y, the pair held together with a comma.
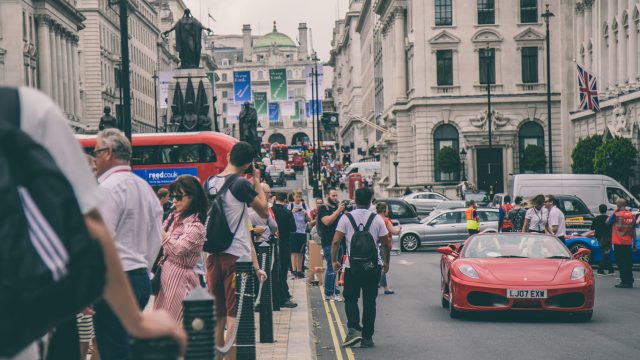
x: 451, y: 309
x: 410, y: 242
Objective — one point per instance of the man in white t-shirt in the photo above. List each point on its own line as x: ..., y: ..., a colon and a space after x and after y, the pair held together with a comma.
x: 361, y: 280
x: 555, y: 218
x: 43, y: 121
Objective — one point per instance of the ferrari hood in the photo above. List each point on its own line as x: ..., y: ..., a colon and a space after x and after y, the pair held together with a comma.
x: 518, y: 271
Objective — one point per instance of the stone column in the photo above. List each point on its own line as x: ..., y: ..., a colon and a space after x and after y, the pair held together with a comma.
x: 579, y: 30
x: 509, y: 167
x: 64, y: 41
x: 76, y: 75
x: 622, y: 45
x: 44, y: 54
x: 612, y: 43
x: 54, y: 62
x: 400, y: 54
x: 588, y: 33
x: 632, y: 51
x: 70, y: 75
x: 59, y: 67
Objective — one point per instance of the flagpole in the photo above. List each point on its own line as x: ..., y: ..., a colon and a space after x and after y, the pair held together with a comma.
x: 546, y: 17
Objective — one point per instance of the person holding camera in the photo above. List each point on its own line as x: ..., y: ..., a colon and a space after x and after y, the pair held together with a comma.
x: 329, y: 214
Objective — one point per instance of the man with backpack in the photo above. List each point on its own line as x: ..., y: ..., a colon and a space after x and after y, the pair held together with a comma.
x: 233, y: 194
x: 32, y: 118
x: 516, y: 215
x: 504, y: 223
x: 363, y: 231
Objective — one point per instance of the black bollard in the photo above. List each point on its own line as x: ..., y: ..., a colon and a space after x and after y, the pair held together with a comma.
x: 155, y: 349
x: 246, y: 336
x: 266, y: 307
x: 275, y: 275
x: 199, y: 322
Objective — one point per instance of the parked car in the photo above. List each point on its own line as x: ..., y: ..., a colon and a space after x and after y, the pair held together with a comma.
x: 450, y: 204
x: 481, y: 198
x: 444, y: 227
x: 400, y: 212
x: 424, y: 202
x: 588, y: 241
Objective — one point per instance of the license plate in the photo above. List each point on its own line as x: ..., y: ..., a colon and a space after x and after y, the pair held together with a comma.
x: 526, y: 294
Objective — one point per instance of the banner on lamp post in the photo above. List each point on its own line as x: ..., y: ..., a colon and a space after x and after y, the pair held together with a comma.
x: 309, y: 110
x: 164, y: 77
x: 242, y: 86
x: 278, y: 84
x: 260, y: 102
x: 274, y: 112
x: 310, y: 79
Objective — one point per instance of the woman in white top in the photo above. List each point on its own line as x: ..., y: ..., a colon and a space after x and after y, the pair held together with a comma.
x: 535, y: 219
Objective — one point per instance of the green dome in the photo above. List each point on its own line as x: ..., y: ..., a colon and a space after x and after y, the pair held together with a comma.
x: 274, y: 38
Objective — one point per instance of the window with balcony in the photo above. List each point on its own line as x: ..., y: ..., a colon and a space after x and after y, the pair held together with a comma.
x: 444, y: 60
x: 528, y: 11
x: 486, y: 12
x: 529, y: 65
x: 444, y: 13
x: 487, y: 60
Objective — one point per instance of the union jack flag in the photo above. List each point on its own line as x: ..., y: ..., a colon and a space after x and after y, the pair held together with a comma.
x: 588, y: 89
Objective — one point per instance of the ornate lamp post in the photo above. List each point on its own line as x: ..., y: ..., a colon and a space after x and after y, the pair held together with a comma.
x: 547, y: 15
x: 260, y: 130
x: 463, y: 156
x: 395, y: 164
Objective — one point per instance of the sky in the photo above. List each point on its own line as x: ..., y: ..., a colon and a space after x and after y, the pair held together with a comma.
x: 230, y: 15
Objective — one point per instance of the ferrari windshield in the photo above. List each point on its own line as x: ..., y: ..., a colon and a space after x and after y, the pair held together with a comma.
x: 515, y: 245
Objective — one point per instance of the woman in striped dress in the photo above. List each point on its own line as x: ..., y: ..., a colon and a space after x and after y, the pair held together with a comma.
x: 181, y: 245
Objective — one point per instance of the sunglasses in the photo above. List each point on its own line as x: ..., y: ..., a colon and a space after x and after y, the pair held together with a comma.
x: 179, y: 197
x: 97, y: 151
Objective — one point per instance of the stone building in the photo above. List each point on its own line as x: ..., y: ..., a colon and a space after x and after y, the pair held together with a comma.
x: 39, y: 48
x: 425, y: 66
x: 258, y: 54
x: 100, y: 44
x: 605, y: 41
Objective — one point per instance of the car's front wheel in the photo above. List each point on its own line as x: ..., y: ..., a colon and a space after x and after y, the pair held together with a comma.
x: 576, y: 247
x: 453, y: 313
x: 410, y: 242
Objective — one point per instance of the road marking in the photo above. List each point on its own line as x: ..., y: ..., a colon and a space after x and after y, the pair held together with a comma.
x: 341, y: 328
x: 404, y: 262
x: 331, y: 328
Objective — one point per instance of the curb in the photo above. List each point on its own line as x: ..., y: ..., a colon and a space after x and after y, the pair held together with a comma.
x: 300, y: 344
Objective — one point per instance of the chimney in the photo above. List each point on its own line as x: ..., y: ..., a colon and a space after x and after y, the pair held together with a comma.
x: 303, y: 38
x: 247, y: 43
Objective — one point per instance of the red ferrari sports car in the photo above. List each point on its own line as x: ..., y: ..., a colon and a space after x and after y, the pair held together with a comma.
x: 515, y: 271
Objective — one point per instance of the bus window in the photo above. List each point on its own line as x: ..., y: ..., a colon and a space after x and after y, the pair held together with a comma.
x: 172, y: 154
x: 207, y: 154
x: 143, y: 155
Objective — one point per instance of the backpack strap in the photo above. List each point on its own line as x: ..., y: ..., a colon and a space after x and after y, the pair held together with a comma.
x: 370, y: 221
x: 10, y: 105
x: 352, y: 221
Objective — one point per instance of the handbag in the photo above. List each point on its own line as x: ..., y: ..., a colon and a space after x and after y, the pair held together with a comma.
x: 156, y: 269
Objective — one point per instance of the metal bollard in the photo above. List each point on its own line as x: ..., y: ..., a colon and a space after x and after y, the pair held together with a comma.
x: 199, y: 322
x: 246, y: 337
x: 275, y: 276
x: 266, y: 307
x: 155, y: 349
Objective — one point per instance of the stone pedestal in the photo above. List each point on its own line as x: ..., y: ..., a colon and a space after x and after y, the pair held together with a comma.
x: 182, y: 76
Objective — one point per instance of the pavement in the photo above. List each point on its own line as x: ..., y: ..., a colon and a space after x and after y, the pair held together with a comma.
x: 292, y: 329
x: 411, y: 324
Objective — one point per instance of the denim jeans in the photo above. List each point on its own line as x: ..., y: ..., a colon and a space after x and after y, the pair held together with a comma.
x: 112, y: 338
x: 330, y: 275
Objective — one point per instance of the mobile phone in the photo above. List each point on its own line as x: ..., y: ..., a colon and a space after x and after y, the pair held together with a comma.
x: 249, y: 170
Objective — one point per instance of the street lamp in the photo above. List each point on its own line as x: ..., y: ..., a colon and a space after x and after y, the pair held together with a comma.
x: 395, y: 164
x: 155, y: 96
x: 260, y: 131
x: 463, y: 156
x: 487, y: 62
x: 547, y: 15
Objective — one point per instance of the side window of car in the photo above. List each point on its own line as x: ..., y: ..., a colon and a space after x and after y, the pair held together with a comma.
x: 569, y: 208
x: 398, y: 210
x: 487, y: 216
x: 448, y: 218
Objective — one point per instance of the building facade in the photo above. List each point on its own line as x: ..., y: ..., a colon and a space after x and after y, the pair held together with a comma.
x: 259, y: 54
x: 605, y: 41
x: 430, y: 62
x: 39, y: 48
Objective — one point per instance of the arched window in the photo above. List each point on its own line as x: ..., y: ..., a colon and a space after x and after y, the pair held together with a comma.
x: 445, y: 136
x: 530, y: 133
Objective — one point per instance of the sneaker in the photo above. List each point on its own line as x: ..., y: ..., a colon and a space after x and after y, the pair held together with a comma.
x: 624, y: 286
x: 600, y: 272
x: 367, y: 343
x: 337, y: 298
x: 389, y: 292
x: 353, y: 337
x: 289, y: 304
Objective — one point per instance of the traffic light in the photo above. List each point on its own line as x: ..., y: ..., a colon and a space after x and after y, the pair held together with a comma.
x: 330, y: 120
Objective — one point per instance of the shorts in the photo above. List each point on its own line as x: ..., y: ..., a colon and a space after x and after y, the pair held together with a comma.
x: 221, y: 280
x: 297, y: 242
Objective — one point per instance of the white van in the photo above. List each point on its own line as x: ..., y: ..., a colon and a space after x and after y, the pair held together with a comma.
x: 592, y: 189
x: 367, y: 168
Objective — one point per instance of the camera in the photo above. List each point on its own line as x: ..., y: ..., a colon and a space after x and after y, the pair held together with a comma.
x: 347, y: 205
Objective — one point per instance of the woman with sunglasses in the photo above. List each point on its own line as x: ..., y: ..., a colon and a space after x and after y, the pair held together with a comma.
x: 181, y: 245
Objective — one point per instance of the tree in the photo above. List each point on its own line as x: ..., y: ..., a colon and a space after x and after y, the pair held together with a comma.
x: 448, y: 160
x: 616, y: 157
x: 583, y: 154
x: 534, y: 159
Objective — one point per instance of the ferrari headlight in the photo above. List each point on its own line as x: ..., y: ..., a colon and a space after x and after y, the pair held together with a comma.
x: 578, y: 272
x: 469, y: 271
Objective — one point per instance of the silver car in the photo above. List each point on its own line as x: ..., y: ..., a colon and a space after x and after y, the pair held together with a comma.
x: 444, y: 227
x: 424, y: 202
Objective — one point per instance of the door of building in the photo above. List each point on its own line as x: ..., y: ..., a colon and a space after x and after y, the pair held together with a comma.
x: 489, y: 170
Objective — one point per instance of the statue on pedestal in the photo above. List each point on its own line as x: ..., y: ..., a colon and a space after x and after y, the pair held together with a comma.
x: 190, y: 112
x: 249, y: 126
x: 107, y: 121
x: 188, y: 40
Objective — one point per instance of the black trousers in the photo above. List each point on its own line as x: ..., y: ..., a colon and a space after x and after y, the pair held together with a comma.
x: 605, y: 262
x: 367, y: 283
x: 285, y: 264
x: 623, y: 259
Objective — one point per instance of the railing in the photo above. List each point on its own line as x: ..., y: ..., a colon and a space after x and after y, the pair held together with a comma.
x: 446, y: 89
x: 276, y: 124
x: 532, y: 87
x: 299, y: 124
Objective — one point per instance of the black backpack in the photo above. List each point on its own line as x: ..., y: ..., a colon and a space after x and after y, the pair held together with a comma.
x: 219, y: 236
x: 363, y: 251
x: 50, y: 266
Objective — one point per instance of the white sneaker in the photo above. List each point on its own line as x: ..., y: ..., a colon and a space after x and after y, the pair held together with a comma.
x: 337, y: 298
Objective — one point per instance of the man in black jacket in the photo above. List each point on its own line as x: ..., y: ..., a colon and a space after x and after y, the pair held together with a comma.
x: 286, y: 225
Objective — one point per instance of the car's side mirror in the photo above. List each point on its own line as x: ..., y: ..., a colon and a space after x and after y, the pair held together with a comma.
x: 582, y: 253
x: 432, y: 222
x: 445, y: 250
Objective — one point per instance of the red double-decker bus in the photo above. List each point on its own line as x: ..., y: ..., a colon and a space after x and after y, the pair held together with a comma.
x: 160, y: 158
